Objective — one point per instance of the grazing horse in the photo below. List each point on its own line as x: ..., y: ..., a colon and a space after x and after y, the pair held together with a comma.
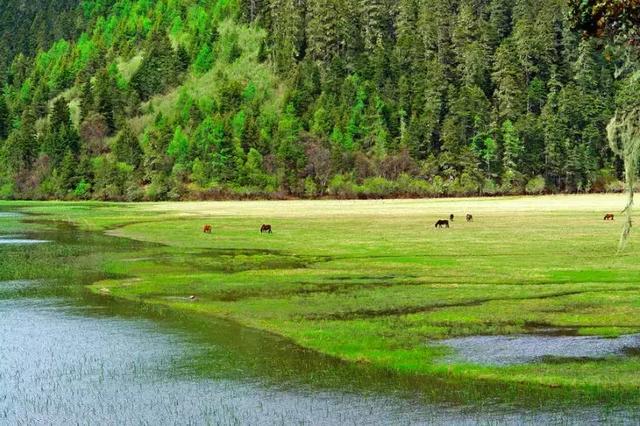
x: 451, y: 217
x: 609, y: 216
x: 208, y: 229
x: 469, y: 217
x: 443, y: 223
x: 266, y: 228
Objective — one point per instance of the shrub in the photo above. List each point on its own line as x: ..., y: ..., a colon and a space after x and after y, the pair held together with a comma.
x: 7, y: 191
x: 511, y: 183
x: 134, y: 192
x: 489, y: 187
x: 81, y: 191
x: 438, y: 186
x: 604, y: 178
x: 341, y: 186
x: 535, y: 185
x: 414, y: 187
x: 615, y: 186
x: 378, y: 187
x: 310, y: 188
x: 157, y: 190
x: 465, y: 185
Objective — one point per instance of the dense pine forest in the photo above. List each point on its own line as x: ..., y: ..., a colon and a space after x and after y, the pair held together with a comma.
x: 186, y: 99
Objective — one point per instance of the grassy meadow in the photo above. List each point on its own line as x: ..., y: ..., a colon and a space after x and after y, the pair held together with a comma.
x: 375, y: 282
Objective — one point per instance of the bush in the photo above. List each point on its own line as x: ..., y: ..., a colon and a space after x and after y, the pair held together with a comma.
x: 378, y: 187
x: 438, y: 186
x: 465, y: 186
x: 489, y: 187
x: 615, y: 186
x: 310, y: 188
x: 7, y: 191
x: 603, y: 178
x: 81, y: 191
x: 535, y: 186
x: 511, y: 183
x: 134, y: 192
x: 341, y: 186
x: 157, y: 190
x: 413, y: 187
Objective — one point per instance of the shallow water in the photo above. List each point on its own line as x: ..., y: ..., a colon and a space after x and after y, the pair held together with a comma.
x: 22, y: 241
x: 64, y: 363
x: 69, y: 358
x: 520, y: 349
x: 60, y: 364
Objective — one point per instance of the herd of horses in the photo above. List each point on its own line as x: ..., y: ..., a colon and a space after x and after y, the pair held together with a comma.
x: 442, y: 223
x: 268, y: 229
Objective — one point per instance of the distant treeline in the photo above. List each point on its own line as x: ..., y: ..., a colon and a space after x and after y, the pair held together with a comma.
x: 178, y: 99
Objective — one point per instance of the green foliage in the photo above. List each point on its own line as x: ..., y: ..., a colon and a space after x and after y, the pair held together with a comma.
x: 179, y: 146
x: 407, y: 98
x: 513, y: 147
x: 204, y: 60
x: 127, y: 148
x: 160, y: 68
x: 535, y: 186
x: 618, y: 23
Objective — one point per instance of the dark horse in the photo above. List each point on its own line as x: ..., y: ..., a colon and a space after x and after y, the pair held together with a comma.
x: 451, y: 217
x: 469, y: 217
x: 207, y: 229
x: 266, y: 228
x: 609, y: 216
x: 442, y: 223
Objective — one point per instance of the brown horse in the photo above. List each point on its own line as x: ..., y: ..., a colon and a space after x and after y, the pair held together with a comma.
x: 208, y: 229
x: 266, y: 228
x: 443, y: 223
x: 609, y: 216
x: 469, y: 217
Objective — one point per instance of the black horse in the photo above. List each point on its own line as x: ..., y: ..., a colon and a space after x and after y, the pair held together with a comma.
x: 443, y: 223
x: 266, y: 228
x: 451, y: 217
x: 469, y: 217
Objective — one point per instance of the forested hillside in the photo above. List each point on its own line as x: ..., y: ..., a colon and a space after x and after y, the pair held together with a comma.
x: 178, y: 99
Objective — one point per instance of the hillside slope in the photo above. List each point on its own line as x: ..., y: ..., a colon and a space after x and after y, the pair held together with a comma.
x: 177, y: 99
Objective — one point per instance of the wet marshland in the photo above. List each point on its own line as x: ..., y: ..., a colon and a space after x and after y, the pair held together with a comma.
x: 67, y: 357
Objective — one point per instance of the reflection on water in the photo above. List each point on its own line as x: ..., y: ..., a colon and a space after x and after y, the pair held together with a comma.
x: 66, y: 359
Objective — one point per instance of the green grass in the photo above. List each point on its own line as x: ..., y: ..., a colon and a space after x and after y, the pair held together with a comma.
x: 374, y: 282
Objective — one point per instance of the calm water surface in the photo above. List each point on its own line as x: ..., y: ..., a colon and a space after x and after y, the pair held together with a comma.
x: 75, y: 360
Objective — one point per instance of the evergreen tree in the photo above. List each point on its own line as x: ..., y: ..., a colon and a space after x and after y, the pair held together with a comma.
x: 512, y: 147
x: 289, y: 154
x: 160, y: 68
x: 86, y: 100
x: 127, y: 148
x: 22, y: 143
x: 105, y: 99
x: 60, y: 115
x: 5, y: 118
x: 287, y: 18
